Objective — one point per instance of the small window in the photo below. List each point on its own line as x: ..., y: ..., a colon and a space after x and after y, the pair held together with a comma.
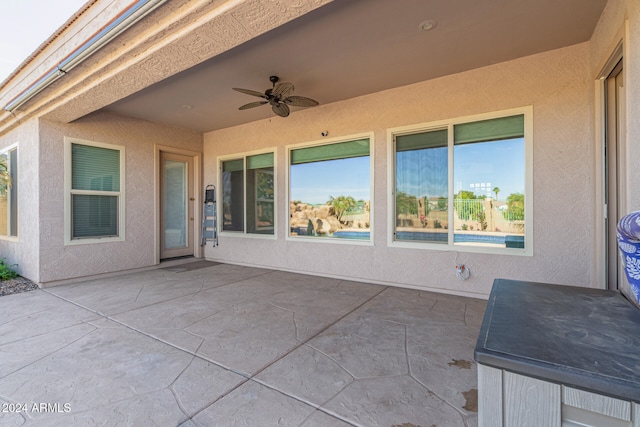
x: 464, y: 183
x: 255, y: 173
x: 330, y: 190
x: 95, y: 191
x: 9, y: 193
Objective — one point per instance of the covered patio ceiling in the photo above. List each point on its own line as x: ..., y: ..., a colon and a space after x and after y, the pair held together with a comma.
x: 347, y: 49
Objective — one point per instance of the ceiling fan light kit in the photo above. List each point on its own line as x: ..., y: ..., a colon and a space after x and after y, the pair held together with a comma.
x: 279, y: 96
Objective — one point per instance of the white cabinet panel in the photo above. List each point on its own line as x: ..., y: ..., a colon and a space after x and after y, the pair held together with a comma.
x: 597, y: 403
x: 490, y: 398
x: 529, y: 402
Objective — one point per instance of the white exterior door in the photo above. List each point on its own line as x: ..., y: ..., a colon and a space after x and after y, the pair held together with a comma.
x: 176, y: 204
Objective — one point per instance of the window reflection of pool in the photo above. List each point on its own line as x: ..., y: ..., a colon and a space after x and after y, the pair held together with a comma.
x: 509, y: 241
x: 502, y: 240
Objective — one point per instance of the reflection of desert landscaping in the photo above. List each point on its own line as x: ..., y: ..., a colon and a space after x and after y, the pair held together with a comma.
x: 477, y: 220
x: 340, y: 216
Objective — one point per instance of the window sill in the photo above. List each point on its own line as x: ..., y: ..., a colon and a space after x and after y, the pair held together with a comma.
x: 243, y: 235
x: 330, y: 240
x: 462, y: 247
x: 92, y: 241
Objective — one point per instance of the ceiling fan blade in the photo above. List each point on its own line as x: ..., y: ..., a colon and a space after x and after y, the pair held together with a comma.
x: 281, y: 109
x: 282, y: 89
x: 252, y: 105
x: 250, y: 92
x: 300, y: 101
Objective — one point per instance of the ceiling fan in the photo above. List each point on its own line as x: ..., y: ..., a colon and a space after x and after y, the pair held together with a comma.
x: 279, y: 96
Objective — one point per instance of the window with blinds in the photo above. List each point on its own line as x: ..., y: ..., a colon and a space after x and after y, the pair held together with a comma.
x: 9, y: 193
x: 95, y: 191
x: 464, y: 183
x: 248, y: 191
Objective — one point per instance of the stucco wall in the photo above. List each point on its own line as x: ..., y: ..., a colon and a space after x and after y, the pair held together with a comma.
x: 559, y: 87
x: 60, y: 262
x: 620, y: 21
x: 23, y: 251
x: 632, y: 69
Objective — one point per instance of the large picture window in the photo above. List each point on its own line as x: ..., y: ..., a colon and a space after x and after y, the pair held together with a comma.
x: 330, y: 190
x: 9, y: 193
x: 255, y: 173
x: 95, y: 182
x: 464, y: 183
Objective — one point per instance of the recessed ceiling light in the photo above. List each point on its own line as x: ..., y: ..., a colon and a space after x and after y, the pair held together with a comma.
x: 427, y: 25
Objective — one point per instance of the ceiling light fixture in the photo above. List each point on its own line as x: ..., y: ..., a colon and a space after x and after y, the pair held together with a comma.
x: 427, y: 25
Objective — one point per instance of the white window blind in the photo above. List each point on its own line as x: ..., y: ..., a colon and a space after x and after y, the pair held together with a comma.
x: 95, y: 191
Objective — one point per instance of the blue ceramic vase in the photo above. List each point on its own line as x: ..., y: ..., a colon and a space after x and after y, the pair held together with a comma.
x: 629, y: 248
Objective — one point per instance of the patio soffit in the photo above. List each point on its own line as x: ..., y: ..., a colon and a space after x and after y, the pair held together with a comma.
x: 177, y: 66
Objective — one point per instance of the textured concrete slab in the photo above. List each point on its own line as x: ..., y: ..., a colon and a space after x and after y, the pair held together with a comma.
x: 247, y: 337
x: 307, y: 374
x: 229, y: 345
x: 391, y: 401
x: 254, y: 405
x: 201, y: 383
x: 35, y: 313
x: 124, y: 293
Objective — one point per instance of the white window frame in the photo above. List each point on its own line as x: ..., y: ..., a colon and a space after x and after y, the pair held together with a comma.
x: 527, y: 112
x: 6, y: 151
x: 219, y: 196
x: 68, y: 192
x: 329, y: 141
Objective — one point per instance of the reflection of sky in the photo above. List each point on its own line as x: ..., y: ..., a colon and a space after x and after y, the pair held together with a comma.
x: 314, y: 183
x: 484, y: 165
x: 418, y: 172
x: 498, y: 163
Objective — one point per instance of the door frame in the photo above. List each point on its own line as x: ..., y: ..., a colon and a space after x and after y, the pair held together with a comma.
x: 197, y: 195
x: 601, y: 234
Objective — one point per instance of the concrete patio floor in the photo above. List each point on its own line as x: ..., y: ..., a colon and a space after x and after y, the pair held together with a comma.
x: 205, y: 344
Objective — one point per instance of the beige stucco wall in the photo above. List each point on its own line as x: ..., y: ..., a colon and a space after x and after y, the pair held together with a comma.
x: 60, y: 262
x: 632, y: 69
x: 559, y: 87
x: 23, y: 251
x: 618, y: 24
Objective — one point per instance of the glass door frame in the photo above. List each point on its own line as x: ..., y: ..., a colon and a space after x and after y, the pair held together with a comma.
x: 196, y: 194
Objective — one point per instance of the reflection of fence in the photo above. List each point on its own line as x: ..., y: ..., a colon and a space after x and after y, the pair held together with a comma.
x: 469, y: 209
x: 356, y: 213
x: 503, y: 222
x: 469, y: 214
x: 485, y: 215
x: 358, y: 209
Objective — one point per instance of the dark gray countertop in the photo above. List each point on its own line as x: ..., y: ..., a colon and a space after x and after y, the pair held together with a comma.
x: 581, y: 337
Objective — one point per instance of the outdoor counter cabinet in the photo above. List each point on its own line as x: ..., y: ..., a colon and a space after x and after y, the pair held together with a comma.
x: 551, y: 355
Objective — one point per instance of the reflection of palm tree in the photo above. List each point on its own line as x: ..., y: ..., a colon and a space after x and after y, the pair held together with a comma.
x: 496, y: 190
x: 341, y: 204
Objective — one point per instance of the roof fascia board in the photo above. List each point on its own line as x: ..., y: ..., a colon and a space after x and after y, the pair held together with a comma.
x: 120, y: 23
